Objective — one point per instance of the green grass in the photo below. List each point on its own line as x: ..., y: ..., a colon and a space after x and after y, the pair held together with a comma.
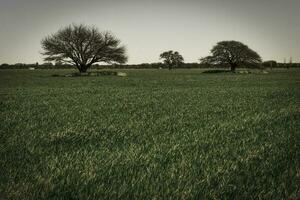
x: 155, y: 134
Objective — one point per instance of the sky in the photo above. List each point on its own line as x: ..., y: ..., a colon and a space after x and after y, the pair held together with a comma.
x: 149, y: 27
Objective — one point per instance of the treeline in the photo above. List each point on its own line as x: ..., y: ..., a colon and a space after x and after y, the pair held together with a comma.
x: 98, y: 66
x: 266, y: 64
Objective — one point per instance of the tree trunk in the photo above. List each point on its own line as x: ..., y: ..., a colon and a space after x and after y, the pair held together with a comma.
x: 232, y: 67
x: 83, y: 68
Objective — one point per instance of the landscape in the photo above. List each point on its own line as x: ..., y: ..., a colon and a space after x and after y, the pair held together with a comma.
x: 91, y: 119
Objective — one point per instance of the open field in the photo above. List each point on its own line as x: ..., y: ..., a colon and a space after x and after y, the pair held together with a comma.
x: 156, y: 133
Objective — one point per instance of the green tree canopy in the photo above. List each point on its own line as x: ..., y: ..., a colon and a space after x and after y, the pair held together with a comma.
x: 171, y: 59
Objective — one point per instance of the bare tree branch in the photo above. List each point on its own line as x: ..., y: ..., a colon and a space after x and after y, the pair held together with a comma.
x: 83, y: 46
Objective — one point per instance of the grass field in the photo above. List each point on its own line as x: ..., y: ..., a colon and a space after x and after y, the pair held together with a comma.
x: 155, y: 134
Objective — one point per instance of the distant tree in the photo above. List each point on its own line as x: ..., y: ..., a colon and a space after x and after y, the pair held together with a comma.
x: 19, y: 65
x: 5, y: 66
x: 171, y: 59
x: 270, y: 63
x: 82, y: 46
x: 233, y: 54
x: 47, y: 64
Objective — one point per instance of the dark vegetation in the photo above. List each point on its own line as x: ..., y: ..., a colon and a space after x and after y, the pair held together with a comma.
x: 213, y: 71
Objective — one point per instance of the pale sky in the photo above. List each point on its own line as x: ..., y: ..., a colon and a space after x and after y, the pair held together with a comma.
x: 149, y: 27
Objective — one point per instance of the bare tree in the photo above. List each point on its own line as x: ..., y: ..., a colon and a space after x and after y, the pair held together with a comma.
x: 171, y: 59
x: 233, y: 54
x: 82, y: 46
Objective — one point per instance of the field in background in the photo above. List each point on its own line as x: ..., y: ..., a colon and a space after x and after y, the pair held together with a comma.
x: 156, y: 133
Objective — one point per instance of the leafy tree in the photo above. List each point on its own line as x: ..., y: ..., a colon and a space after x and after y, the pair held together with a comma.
x: 233, y: 54
x: 82, y: 46
x: 270, y: 63
x: 5, y: 66
x: 171, y: 59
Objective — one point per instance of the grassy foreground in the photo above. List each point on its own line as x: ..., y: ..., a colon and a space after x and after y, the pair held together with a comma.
x: 154, y: 134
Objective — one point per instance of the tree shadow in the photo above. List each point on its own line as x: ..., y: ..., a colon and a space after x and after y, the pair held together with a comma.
x: 217, y: 71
